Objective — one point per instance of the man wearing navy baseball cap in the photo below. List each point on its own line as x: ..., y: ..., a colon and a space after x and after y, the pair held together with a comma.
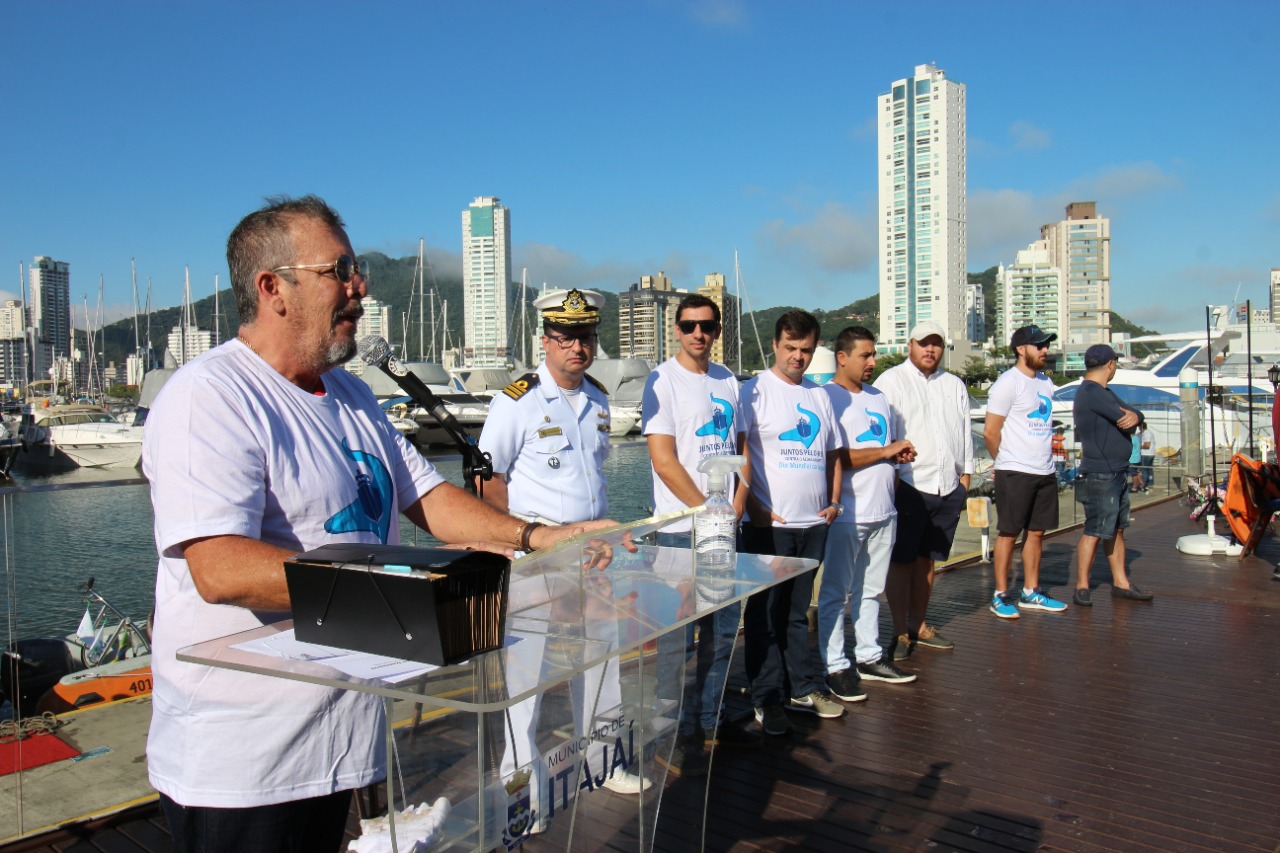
x: 1104, y: 425
x: 1019, y: 435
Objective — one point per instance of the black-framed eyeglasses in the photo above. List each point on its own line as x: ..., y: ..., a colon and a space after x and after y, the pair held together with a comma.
x: 344, y: 269
x: 709, y: 327
x: 567, y: 341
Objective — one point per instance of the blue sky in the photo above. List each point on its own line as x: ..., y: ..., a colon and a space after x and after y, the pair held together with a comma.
x: 632, y: 137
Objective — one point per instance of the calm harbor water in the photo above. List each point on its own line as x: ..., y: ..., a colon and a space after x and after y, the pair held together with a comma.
x: 55, y: 540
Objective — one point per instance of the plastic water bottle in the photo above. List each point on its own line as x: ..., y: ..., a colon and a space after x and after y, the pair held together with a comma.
x: 715, y: 526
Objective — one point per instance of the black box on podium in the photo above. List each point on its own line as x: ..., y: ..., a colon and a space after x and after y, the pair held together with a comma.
x: 432, y: 605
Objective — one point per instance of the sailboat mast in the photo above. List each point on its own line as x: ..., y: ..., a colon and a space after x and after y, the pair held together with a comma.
x: 186, y: 311
x: 737, y: 285
x: 88, y: 343
x: 217, y: 325
x: 102, y: 347
x: 422, y: 293
x: 28, y: 333
x: 150, y: 350
x: 133, y: 275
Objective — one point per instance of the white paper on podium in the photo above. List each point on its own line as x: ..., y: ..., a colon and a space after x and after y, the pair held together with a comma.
x: 356, y: 664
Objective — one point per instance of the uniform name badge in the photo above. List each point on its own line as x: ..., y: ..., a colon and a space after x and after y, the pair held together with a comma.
x: 548, y: 432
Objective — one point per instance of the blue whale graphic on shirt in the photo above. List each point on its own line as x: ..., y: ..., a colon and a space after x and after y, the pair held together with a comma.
x: 1043, y: 411
x: 371, y: 510
x: 721, y: 422
x: 878, y: 431
x: 806, y: 430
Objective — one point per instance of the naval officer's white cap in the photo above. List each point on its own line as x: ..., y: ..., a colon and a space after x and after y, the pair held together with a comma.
x: 570, y: 307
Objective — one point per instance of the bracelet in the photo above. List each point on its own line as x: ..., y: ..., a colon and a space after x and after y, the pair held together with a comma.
x: 527, y: 533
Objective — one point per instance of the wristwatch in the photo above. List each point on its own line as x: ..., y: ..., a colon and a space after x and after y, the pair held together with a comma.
x: 838, y: 507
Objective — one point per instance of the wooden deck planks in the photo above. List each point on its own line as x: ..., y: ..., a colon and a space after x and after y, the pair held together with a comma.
x: 1121, y: 727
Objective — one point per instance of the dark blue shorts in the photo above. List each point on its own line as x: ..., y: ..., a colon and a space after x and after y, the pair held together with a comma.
x: 1106, y: 503
x: 926, y: 523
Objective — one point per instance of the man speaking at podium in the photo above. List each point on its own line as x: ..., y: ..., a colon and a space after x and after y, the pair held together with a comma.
x: 256, y: 451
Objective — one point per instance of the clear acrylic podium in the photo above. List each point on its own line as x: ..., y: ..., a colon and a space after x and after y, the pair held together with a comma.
x: 561, y: 739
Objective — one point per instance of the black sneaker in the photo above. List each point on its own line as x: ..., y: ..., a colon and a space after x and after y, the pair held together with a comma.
x: 731, y: 734
x: 845, y: 687
x: 882, y: 670
x: 1132, y: 593
x: 773, y: 720
x: 901, y: 647
x: 1082, y: 598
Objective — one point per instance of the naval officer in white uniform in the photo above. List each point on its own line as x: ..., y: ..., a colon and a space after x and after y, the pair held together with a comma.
x: 548, y: 436
x: 548, y: 432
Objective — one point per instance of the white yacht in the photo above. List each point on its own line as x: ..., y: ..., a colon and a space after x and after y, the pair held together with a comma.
x: 78, y: 435
x: 1155, y: 391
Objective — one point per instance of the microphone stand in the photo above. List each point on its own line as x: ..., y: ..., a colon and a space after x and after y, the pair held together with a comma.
x: 375, y: 352
x: 475, y: 462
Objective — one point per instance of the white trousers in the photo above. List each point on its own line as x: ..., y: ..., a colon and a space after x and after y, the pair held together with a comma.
x: 855, y: 565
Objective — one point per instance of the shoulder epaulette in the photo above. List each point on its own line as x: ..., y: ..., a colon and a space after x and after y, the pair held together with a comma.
x: 597, y: 383
x: 521, y: 386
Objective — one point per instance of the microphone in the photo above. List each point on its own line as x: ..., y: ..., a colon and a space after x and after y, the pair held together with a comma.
x: 376, y: 352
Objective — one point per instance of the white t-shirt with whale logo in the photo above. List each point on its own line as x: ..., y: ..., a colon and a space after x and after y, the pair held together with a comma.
x: 790, y: 429
x: 1026, y: 439
x: 864, y: 420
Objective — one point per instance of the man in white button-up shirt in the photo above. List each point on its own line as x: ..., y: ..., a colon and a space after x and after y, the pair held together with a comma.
x: 931, y: 410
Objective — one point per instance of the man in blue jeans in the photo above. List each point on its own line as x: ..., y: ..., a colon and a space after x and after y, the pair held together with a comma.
x: 1105, y: 426
x: 791, y: 448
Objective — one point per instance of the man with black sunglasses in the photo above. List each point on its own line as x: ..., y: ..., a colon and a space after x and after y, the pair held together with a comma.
x: 690, y: 414
x: 1019, y: 435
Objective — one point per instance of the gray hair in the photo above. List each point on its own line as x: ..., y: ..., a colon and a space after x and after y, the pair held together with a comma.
x: 262, y: 242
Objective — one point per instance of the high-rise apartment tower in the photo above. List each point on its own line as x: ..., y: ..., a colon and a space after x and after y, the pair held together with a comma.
x: 725, y: 349
x: 50, y: 283
x: 922, y: 215
x: 1080, y: 248
x: 486, y: 279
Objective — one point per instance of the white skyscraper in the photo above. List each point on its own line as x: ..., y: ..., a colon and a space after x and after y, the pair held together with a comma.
x: 377, y: 322
x: 50, y: 282
x: 186, y: 341
x: 486, y: 277
x: 13, y: 340
x: 1080, y: 247
x: 975, y: 311
x: 1275, y: 295
x: 1030, y: 291
x: 923, y: 215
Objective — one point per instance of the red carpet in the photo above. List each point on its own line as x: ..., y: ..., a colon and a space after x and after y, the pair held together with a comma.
x: 35, y: 751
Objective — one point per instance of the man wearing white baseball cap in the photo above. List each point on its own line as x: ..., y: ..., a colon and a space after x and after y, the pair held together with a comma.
x: 931, y: 410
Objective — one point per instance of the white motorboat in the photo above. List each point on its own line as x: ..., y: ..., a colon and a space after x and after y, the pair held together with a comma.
x: 624, y: 419
x: 79, y: 435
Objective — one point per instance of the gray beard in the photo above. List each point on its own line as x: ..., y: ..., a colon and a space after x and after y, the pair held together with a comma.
x: 340, y: 352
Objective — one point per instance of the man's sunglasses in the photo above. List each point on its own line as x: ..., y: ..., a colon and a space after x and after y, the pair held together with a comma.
x: 709, y: 327
x: 344, y: 269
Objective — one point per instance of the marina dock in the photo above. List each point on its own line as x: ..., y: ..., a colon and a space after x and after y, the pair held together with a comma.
x: 1125, y: 726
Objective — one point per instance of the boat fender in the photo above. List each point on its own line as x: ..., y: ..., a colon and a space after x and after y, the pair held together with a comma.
x: 521, y: 386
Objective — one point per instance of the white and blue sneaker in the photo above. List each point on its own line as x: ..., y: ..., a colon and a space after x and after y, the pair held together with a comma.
x: 1037, y: 600
x: 1002, y: 607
